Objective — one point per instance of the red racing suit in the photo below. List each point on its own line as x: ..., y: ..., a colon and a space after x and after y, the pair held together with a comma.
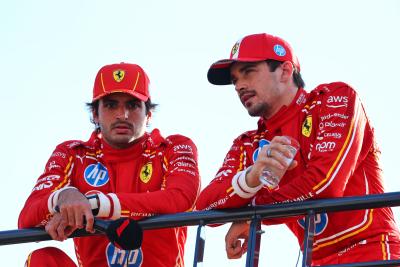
x: 155, y: 176
x: 338, y: 157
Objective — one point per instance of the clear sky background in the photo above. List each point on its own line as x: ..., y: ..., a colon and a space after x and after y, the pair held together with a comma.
x: 50, y: 52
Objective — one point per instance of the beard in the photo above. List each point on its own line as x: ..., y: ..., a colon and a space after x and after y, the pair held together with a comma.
x: 259, y: 110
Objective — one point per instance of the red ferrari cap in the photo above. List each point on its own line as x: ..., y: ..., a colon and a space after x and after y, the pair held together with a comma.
x: 252, y: 48
x: 124, y: 78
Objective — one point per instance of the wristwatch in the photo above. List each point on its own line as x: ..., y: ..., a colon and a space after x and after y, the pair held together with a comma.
x: 94, y: 202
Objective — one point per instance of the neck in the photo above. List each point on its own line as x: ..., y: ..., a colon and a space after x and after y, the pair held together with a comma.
x: 287, y: 96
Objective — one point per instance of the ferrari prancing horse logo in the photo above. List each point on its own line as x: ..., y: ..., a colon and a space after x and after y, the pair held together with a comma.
x: 307, y: 126
x: 146, y: 172
x: 118, y: 75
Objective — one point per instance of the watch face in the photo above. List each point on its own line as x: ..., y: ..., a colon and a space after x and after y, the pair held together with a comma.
x: 93, y: 201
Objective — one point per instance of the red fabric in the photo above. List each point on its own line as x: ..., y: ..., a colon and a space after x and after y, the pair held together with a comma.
x: 338, y: 157
x: 49, y: 257
x: 379, y: 248
x: 123, y: 77
x: 156, y: 176
x: 252, y: 48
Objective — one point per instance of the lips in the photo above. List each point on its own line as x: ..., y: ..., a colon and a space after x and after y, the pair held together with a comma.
x: 245, y: 97
x: 122, y: 128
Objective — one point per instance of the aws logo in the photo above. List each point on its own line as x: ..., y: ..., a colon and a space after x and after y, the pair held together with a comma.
x: 321, y: 222
x: 96, y: 175
x: 123, y: 258
x: 261, y: 143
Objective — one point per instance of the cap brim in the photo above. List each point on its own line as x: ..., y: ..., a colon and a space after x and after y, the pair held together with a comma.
x: 219, y: 72
x: 139, y: 96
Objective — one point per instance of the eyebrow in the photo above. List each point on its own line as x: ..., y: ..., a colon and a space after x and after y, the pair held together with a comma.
x: 247, y: 65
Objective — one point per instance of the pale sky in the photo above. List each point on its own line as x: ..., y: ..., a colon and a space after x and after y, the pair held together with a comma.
x: 50, y: 52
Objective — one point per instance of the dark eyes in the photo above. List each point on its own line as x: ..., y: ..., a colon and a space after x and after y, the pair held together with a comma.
x: 129, y: 105
x: 133, y: 105
x: 110, y: 104
x: 244, y: 71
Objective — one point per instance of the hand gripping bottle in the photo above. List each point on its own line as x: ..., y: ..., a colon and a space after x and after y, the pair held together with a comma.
x: 272, y: 177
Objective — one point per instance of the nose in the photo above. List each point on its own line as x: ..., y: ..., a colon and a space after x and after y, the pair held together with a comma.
x: 123, y: 113
x: 240, y: 85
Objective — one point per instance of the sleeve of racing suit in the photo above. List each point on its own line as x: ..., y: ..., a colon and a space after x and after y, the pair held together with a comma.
x: 338, y: 147
x: 181, y: 188
x: 40, y: 204
x: 228, y: 189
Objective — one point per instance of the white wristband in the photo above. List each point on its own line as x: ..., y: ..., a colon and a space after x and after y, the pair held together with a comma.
x: 53, y: 198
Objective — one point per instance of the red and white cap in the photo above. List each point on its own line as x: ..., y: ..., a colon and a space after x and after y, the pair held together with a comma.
x: 124, y: 78
x: 252, y: 48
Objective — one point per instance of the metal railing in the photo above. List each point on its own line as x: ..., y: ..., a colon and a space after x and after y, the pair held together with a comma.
x: 201, y: 218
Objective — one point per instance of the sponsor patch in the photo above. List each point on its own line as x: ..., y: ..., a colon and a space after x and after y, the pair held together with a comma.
x: 145, y: 172
x: 96, y: 175
x: 307, y: 126
x: 279, y: 50
x: 123, y: 258
x: 325, y: 146
x: 321, y: 222
x: 118, y: 75
x: 261, y: 143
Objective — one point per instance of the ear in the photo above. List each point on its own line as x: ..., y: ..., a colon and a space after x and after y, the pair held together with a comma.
x: 287, y: 71
x: 95, y: 117
x: 148, y: 119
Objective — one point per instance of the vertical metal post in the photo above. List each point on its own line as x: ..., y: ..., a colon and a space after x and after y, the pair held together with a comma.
x: 309, y: 230
x: 200, y: 244
x: 254, y: 241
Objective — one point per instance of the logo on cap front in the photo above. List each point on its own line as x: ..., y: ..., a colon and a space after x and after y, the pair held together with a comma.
x: 279, y: 50
x: 118, y: 75
x: 235, y: 49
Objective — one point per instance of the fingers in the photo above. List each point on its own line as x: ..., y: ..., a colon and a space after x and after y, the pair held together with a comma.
x: 272, y: 156
x: 237, y: 234
x: 75, y: 209
x: 89, y: 221
x: 293, y: 165
x: 56, y: 228
x: 279, y: 153
x: 235, y: 250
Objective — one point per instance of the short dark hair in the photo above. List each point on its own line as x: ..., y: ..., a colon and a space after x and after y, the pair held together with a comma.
x: 297, y: 79
x: 94, y: 108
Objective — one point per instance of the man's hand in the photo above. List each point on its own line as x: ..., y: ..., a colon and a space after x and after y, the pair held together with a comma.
x: 275, y: 161
x: 74, y: 211
x: 57, y: 228
x: 233, y: 240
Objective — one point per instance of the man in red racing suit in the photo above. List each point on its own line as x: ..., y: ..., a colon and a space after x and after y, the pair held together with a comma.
x: 338, y: 155
x: 152, y: 175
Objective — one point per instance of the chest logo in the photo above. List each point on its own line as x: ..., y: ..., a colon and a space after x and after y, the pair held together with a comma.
x: 321, y: 222
x: 307, y: 126
x: 96, y: 175
x: 118, y: 258
x: 118, y: 75
x: 145, y: 172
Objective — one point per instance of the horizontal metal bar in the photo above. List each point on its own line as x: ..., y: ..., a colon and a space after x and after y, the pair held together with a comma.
x: 272, y: 211
x: 228, y: 215
x: 368, y: 264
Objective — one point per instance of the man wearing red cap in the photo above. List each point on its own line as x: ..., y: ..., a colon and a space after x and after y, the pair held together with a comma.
x: 338, y: 155
x: 122, y: 171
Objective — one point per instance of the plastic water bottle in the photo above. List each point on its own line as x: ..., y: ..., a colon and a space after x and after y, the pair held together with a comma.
x: 272, y: 177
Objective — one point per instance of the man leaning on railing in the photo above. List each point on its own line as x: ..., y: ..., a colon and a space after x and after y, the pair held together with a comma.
x: 337, y: 157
